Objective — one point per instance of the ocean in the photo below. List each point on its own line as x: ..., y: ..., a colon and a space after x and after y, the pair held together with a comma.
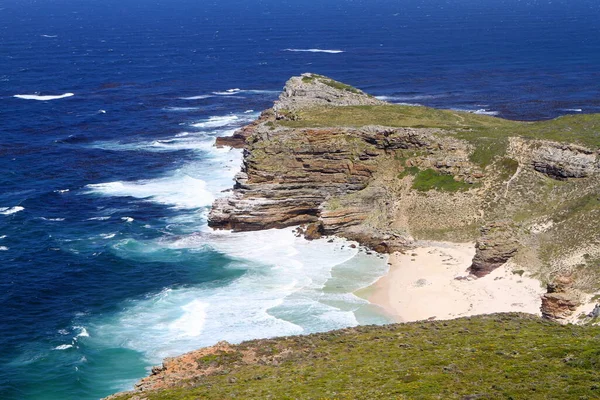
x: 109, y: 112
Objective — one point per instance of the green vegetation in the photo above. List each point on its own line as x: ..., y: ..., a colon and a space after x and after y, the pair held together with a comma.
x: 488, y: 134
x: 341, y: 86
x: 431, y: 179
x: 330, y: 82
x: 408, y: 171
x: 502, y: 356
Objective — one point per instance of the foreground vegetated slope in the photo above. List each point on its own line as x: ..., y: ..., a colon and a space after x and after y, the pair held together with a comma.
x: 487, y: 357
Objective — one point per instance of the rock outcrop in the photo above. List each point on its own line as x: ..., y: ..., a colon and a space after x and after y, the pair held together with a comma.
x: 494, y: 248
x: 311, y: 90
x: 562, y: 161
x: 561, y: 300
x: 288, y: 176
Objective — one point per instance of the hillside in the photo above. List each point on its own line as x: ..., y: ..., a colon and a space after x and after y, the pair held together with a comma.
x: 502, y: 356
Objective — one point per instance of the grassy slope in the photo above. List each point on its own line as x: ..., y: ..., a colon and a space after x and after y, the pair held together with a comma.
x: 488, y: 134
x: 506, y: 356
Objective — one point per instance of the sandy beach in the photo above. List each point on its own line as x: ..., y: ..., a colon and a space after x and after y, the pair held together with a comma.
x: 421, y: 284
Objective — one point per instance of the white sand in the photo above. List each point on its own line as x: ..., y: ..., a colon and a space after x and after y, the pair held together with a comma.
x: 423, y: 286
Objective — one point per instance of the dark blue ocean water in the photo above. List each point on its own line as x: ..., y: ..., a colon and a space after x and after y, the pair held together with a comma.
x: 106, y: 264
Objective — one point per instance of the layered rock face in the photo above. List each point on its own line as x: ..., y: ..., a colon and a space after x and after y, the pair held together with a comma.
x: 561, y: 300
x: 562, y: 161
x: 494, y: 248
x: 289, y: 174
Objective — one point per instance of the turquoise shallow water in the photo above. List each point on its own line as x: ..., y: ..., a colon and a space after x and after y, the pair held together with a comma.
x: 106, y: 263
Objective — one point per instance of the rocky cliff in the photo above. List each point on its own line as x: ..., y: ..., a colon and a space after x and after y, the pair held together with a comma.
x: 338, y: 161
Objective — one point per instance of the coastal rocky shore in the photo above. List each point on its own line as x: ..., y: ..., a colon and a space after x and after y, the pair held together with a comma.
x: 333, y: 160
x: 396, y: 175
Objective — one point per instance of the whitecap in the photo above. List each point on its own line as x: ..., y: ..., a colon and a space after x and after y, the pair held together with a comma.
x: 200, y: 97
x: 3, y: 237
x: 181, y: 109
x: 248, y: 111
x: 43, y: 97
x: 61, y: 191
x: 127, y: 219
x: 3, y: 248
x: 107, y: 235
x: 217, y: 122
x: 572, y: 109
x: 52, y: 219
x: 49, y: 36
x: 101, y: 111
x: 10, y: 210
x: 228, y: 92
x: 316, y: 51
x: 63, y: 347
x: 98, y: 219
x: 82, y: 331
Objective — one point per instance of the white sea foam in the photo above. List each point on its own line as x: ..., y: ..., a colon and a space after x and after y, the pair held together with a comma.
x: 480, y: 111
x: 228, y: 92
x: 178, y: 190
x: 49, y: 36
x: 217, y: 122
x: 127, y: 219
x: 63, y: 347
x: 191, y: 322
x: 181, y: 109
x: 572, y: 109
x: 52, y: 219
x: 101, y: 111
x: 3, y: 237
x: 98, y: 218
x: 200, y: 140
x: 483, y: 111
x: 107, y: 235
x: 10, y: 210
x: 43, y: 97
x: 82, y: 331
x: 316, y: 51
x: 61, y: 191
x: 3, y: 248
x: 200, y: 97
x: 280, y: 293
x: 233, y: 93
